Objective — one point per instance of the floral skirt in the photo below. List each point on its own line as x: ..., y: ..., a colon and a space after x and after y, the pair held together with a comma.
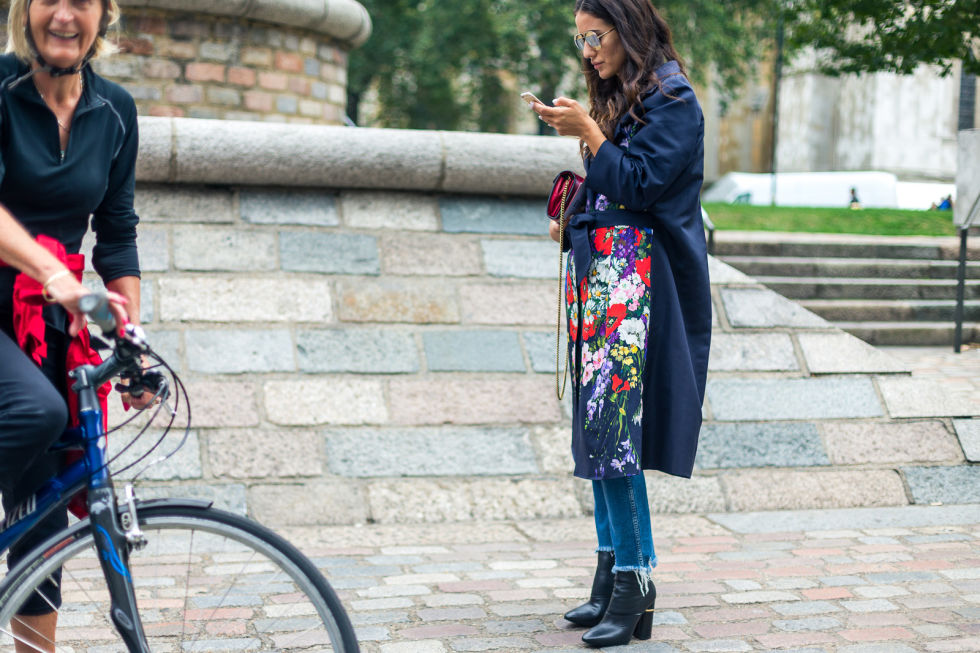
x: 608, y: 318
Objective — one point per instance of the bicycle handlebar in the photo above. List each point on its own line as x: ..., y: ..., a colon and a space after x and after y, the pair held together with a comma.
x: 96, y: 308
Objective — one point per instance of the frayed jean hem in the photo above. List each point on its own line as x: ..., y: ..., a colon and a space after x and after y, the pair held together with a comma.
x: 604, y: 549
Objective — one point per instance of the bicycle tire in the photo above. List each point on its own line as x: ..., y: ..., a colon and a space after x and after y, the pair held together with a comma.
x: 208, y: 580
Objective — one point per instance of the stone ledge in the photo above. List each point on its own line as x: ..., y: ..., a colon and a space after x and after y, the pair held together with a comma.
x: 197, y: 151
x: 345, y: 20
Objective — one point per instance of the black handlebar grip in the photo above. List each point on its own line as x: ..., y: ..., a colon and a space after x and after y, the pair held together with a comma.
x: 96, y: 307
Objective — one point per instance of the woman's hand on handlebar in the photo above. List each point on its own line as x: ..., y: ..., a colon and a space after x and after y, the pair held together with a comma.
x: 66, y: 290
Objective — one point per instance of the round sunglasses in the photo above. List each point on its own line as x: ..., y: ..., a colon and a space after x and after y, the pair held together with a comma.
x: 592, y: 38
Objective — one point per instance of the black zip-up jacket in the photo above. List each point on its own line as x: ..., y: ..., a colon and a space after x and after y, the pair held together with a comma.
x: 54, y: 194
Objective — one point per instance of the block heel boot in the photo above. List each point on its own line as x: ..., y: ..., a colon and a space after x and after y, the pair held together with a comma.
x: 590, y: 613
x: 630, y: 614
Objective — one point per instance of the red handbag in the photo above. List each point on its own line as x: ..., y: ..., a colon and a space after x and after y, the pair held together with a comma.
x: 566, y: 186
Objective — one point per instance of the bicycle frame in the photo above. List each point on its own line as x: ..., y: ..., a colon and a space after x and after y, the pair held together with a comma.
x: 91, y: 471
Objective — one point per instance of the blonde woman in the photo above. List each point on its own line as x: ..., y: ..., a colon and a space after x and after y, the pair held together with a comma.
x: 68, y: 144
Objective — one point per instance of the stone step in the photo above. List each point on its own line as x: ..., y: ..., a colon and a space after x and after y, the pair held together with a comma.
x: 864, y: 310
x: 910, y: 334
x: 756, y: 243
x: 798, y: 288
x: 869, y: 268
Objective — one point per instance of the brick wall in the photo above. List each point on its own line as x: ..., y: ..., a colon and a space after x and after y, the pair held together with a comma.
x: 284, y: 66
x: 181, y: 65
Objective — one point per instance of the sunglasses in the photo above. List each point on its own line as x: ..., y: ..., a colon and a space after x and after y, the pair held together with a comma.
x: 592, y: 38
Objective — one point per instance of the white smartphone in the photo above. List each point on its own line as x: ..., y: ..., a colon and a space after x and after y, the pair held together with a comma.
x: 530, y: 97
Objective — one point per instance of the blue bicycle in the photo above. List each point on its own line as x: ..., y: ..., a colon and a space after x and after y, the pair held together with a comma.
x: 160, y: 575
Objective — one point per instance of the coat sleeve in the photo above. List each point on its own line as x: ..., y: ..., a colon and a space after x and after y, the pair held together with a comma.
x: 114, y: 221
x: 658, y: 152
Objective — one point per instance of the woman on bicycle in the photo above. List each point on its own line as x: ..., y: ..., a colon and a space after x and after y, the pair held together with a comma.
x: 639, y: 307
x: 68, y: 145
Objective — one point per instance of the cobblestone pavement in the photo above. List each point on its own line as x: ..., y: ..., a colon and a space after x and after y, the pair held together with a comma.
x: 885, y: 580
x: 957, y: 373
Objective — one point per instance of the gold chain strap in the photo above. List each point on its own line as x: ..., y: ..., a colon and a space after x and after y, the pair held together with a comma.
x: 561, y: 380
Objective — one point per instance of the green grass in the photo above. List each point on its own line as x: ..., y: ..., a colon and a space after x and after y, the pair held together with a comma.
x: 881, y: 222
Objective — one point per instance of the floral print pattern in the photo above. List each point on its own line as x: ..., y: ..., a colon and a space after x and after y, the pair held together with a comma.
x: 608, y: 321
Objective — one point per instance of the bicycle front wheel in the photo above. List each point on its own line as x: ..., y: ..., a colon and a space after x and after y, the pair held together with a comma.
x: 207, y: 580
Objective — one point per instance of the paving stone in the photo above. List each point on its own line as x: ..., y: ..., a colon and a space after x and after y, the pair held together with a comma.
x: 815, y: 623
x: 719, y: 645
x: 805, y: 608
x: 812, y: 520
x: 944, y: 484
x: 435, y: 500
x: 314, y: 502
x: 890, y: 647
x: 236, y: 351
x: 464, y: 400
x: 757, y: 307
x: 389, y: 210
x: 473, y: 351
x: 920, y: 397
x: 223, y: 249
x: 492, y: 644
x: 530, y: 259
x: 294, y: 206
x: 493, y: 216
x: 328, y: 253
x: 214, y: 299
x: 790, y: 490
x: 761, y: 596
x: 968, y: 431
x: 850, y: 443
x: 326, y: 400
x: 722, y: 273
x: 264, y: 452
x: 871, y: 605
x: 389, y: 301
x: 364, y: 351
x: 837, y: 353
x: 410, y: 254
x: 752, y: 352
x: 760, y: 444
x: 773, y: 399
x: 165, y: 203
x: 429, y: 452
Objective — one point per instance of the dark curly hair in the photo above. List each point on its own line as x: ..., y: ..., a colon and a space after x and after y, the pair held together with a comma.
x: 647, y: 41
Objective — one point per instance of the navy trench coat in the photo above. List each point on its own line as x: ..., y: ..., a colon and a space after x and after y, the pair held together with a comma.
x: 659, y: 180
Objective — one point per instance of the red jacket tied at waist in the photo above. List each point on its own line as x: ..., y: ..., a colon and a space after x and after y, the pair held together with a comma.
x: 28, y: 318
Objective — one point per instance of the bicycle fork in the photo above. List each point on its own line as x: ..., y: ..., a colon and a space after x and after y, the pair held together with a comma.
x: 113, y: 545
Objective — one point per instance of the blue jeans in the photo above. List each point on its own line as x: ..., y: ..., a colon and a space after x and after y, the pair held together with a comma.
x: 622, y: 522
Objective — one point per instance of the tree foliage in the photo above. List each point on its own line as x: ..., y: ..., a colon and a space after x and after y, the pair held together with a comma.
x: 453, y: 64
x: 446, y: 64
x: 887, y: 35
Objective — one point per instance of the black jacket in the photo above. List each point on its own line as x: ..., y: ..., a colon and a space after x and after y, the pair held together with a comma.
x: 96, y: 178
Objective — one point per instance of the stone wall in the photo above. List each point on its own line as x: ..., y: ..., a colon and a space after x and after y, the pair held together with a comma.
x: 271, y: 60
x: 365, y: 323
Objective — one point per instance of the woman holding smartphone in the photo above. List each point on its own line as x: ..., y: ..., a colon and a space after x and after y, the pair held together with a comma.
x: 637, y: 291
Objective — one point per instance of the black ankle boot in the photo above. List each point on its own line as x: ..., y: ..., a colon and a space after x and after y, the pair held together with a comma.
x: 589, y: 614
x: 630, y: 613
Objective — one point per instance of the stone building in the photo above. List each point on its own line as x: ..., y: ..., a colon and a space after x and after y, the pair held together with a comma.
x: 274, y: 60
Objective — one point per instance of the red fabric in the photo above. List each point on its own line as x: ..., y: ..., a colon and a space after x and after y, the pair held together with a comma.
x: 29, y: 329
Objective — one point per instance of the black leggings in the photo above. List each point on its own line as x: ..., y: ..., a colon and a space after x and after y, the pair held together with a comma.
x: 33, y: 414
